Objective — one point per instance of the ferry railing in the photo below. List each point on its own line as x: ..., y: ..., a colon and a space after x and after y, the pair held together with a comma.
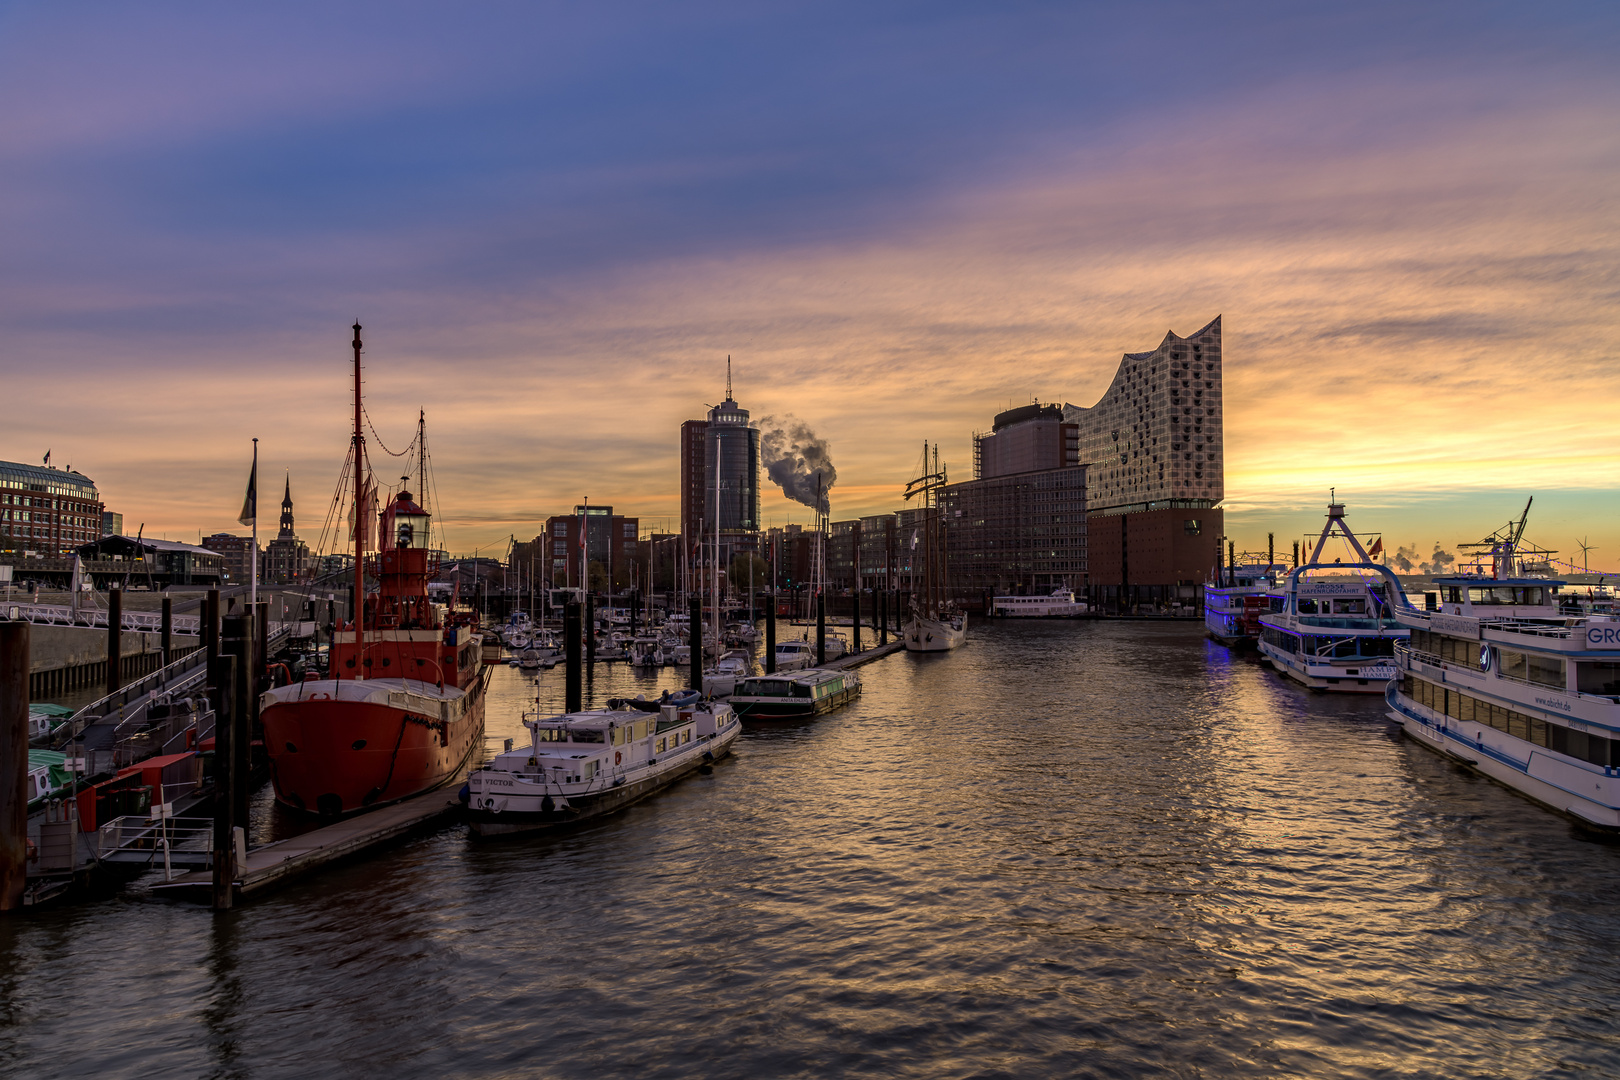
x: 1418, y: 654
x: 1531, y: 629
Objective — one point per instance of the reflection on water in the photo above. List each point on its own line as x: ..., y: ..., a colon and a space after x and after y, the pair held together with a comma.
x: 1094, y: 849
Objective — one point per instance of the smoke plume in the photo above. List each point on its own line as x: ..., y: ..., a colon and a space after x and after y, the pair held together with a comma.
x: 794, y: 457
x: 1406, y: 557
x: 1440, y: 562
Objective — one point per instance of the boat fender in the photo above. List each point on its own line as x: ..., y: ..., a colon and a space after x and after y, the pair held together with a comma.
x: 618, y: 756
x: 464, y: 796
x: 708, y: 756
x: 547, y: 805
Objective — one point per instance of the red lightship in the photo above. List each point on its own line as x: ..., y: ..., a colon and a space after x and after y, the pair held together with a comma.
x: 402, y: 708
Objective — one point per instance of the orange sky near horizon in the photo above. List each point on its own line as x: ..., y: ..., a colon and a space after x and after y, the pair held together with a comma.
x: 1418, y: 309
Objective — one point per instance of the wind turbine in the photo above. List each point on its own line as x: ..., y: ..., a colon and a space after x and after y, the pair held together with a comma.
x: 1585, y: 547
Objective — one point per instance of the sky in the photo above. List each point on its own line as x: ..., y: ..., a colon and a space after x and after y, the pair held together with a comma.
x: 557, y: 221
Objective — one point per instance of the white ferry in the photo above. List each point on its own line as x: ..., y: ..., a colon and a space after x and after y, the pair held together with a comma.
x: 585, y: 764
x: 1059, y: 604
x: 1232, y: 608
x: 1503, y: 682
x: 1337, y: 635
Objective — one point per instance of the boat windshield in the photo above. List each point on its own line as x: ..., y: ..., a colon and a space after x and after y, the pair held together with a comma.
x: 553, y: 734
x: 765, y: 688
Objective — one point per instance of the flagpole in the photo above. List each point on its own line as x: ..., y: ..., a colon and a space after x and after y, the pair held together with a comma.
x: 253, y: 588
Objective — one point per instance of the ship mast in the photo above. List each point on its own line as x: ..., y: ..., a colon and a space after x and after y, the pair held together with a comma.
x: 359, y: 517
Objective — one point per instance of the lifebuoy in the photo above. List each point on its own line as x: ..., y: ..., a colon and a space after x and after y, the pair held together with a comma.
x: 618, y: 756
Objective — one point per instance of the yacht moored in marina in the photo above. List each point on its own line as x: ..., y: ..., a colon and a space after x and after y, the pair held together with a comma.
x: 794, y: 656
x: 1339, y: 634
x: 582, y: 765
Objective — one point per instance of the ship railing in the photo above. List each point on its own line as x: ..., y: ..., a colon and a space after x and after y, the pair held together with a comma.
x: 1508, y: 626
x: 136, y: 838
x: 1418, y: 654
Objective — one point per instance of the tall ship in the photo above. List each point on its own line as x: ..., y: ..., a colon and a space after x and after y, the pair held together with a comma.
x: 1332, y: 626
x: 1507, y: 681
x: 402, y: 707
x: 936, y: 624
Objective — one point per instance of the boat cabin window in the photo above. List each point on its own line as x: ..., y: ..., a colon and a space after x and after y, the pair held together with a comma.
x: 549, y: 734
x: 802, y: 690
x: 1506, y: 594
x: 1597, y: 677
x: 1545, y: 670
x: 618, y: 736
x: 1451, y: 594
x: 1307, y: 607
x: 1349, y: 607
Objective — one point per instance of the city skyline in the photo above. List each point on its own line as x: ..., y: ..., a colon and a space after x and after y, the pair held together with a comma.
x: 1406, y: 234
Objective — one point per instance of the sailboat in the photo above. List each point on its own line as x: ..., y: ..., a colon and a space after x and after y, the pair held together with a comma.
x: 936, y: 624
x: 403, y: 707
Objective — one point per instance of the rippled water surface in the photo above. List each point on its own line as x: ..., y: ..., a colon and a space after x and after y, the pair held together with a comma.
x: 1066, y: 849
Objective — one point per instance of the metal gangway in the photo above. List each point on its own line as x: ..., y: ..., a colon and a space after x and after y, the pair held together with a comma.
x: 150, y: 622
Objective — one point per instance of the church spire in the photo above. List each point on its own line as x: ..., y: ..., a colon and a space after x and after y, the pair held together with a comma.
x: 287, y: 509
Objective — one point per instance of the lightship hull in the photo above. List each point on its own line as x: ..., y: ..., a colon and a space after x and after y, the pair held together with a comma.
x: 340, y: 747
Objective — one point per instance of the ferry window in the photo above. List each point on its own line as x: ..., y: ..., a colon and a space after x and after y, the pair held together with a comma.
x: 1452, y: 594
x: 1307, y: 607
x: 1597, y: 677
x: 661, y: 744
x: 1547, y: 671
x: 801, y: 690
x: 1513, y: 664
x: 1531, y: 595
x: 1349, y: 607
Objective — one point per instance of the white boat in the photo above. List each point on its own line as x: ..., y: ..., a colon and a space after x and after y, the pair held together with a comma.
x: 585, y: 764
x: 534, y: 660
x: 794, y: 655
x: 936, y: 624
x: 1336, y: 630
x: 1058, y: 604
x: 1233, y: 605
x: 1504, y: 681
x: 646, y: 651
x: 516, y: 632
x: 721, y: 680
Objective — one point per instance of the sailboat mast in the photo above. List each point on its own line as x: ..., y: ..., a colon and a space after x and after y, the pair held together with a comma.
x: 359, y: 517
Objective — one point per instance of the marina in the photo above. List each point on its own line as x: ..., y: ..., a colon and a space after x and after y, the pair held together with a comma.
x: 1270, y: 806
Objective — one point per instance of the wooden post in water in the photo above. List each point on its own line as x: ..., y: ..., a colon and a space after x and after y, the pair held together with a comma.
x: 574, y: 688
x: 210, y: 624
x: 694, y: 638
x: 236, y: 640
x: 168, y: 629
x: 590, y: 628
x: 1271, y: 550
x: 221, y: 685
x: 115, y: 639
x: 821, y: 627
x: 1231, y: 563
x: 14, y: 662
x: 855, y: 636
x: 770, y: 642
x: 883, y: 617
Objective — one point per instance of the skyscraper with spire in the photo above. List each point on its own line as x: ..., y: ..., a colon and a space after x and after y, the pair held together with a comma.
x: 728, y: 445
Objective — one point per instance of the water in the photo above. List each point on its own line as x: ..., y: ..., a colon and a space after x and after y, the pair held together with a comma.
x: 1067, y: 849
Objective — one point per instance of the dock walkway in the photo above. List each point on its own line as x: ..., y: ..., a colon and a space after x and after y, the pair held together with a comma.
x: 275, y: 863
x: 865, y: 656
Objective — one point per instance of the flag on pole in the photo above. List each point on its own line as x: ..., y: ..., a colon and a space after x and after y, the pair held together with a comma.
x: 47, y: 457
x: 1378, y: 546
x: 250, y: 504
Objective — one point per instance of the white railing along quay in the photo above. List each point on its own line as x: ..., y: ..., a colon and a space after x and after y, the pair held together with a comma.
x: 63, y: 615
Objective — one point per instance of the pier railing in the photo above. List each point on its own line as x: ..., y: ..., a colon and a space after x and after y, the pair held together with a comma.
x: 62, y: 615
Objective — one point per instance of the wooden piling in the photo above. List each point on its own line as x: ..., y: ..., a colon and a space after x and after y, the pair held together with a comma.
x: 574, y: 690
x: 590, y: 628
x: 222, y: 689
x: 115, y: 639
x: 210, y: 624
x: 236, y: 639
x: 855, y: 623
x: 168, y: 628
x: 883, y: 617
x: 14, y: 662
x: 694, y: 637
x: 821, y: 627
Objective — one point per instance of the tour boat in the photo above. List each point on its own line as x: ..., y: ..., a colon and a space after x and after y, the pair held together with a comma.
x: 582, y: 765
x: 1058, y: 604
x: 936, y: 624
x: 1336, y: 631
x: 402, y: 708
x: 795, y: 696
x: 1233, y: 605
x: 1502, y: 678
